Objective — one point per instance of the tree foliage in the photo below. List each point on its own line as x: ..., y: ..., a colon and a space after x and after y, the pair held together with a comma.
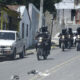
x: 48, y: 4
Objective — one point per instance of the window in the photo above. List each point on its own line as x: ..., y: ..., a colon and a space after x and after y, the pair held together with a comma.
x: 4, y: 26
x: 27, y: 30
x: 22, y: 30
x: 73, y: 13
x: 7, y: 35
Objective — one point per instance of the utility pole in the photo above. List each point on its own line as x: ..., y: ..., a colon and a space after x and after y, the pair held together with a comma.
x: 63, y: 23
x: 41, y: 14
x: 52, y: 25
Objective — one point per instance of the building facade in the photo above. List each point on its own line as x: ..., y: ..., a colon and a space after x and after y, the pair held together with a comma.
x: 8, y: 18
x: 34, y: 16
x: 68, y: 13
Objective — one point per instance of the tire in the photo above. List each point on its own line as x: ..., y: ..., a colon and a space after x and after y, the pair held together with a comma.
x: 13, y: 56
x: 46, y: 53
x: 38, y: 54
x: 21, y: 55
x: 44, y: 57
x: 78, y: 47
x: 69, y: 45
x: 62, y: 46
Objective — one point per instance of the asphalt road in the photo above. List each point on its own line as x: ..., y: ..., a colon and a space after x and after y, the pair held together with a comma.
x: 59, y: 66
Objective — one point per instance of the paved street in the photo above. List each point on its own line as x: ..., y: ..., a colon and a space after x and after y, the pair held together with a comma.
x: 59, y: 66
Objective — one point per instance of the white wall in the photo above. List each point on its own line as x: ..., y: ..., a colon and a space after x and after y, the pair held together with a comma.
x: 34, y: 15
x: 25, y: 19
x: 67, y: 15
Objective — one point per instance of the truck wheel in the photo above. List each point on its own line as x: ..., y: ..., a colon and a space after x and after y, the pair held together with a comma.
x: 13, y: 56
x: 22, y: 54
x: 78, y: 47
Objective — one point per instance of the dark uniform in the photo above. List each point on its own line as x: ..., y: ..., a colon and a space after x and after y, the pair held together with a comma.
x: 64, y: 32
x: 45, y: 34
x: 71, y: 35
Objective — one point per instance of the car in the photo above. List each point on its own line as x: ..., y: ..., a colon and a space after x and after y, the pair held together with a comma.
x: 55, y: 39
x: 11, y: 44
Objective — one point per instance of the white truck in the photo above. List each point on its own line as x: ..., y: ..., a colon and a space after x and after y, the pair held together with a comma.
x: 11, y: 44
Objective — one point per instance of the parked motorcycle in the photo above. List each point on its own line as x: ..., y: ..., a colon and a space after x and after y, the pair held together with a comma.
x: 42, y: 50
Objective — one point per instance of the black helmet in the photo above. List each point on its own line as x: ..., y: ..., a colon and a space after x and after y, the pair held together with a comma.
x: 64, y: 31
x: 70, y: 30
x: 44, y: 29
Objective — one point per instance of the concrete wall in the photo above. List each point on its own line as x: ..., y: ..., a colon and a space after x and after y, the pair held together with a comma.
x: 34, y: 15
x: 56, y: 27
x: 26, y: 21
x: 64, y: 14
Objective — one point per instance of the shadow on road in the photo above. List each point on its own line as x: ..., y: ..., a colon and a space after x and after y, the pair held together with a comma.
x: 30, y: 53
x: 46, y: 59
x: 50, y: 58
x: 2, y: 59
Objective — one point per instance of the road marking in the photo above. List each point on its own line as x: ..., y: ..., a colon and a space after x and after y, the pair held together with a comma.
x: 43, y: 74
x: 54, y: 69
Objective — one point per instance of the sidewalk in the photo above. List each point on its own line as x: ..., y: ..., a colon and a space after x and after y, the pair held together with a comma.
x: 31, y: 51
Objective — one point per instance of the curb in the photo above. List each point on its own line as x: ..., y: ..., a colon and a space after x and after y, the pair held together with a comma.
x: 33, y: 51
x: 30, y: 52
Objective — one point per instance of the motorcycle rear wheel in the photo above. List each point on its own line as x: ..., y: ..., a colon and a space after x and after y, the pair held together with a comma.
x: 78, y: 47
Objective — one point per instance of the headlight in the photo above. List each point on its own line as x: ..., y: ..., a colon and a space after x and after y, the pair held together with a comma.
x: 69, y: 36
x: 63, y: 37
x: 40, y: 39
x: 78, y: 36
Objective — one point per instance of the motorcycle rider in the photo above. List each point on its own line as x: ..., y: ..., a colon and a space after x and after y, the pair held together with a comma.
x: 70, y: 36
x: 64, y: 32
x: 78, y: 39
x: 43, y: 31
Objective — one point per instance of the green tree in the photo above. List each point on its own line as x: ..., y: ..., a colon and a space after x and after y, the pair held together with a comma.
x: 48, y: 4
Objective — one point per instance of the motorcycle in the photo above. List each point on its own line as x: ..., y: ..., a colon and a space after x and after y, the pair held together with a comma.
x: 78, y: 42
x: 42, y: 50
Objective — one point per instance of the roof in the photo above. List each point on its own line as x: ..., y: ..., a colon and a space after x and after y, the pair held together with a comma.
x: 68, y: 0
x: 18, y: 8
x: 65, y: 5
x: 21, y: 9
x: 13, y: 7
